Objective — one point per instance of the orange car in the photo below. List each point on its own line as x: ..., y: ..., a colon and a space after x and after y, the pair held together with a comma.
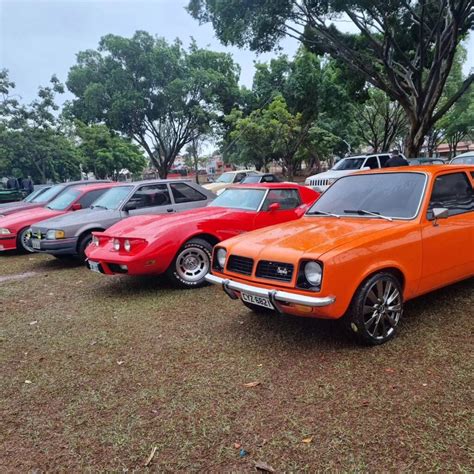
x: 371, y: 242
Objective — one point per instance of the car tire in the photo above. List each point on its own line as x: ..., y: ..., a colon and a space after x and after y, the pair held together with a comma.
x: 191, y: 264
x: 82, y: 246
x: 376, y: 309
x: 258, y: 309
x: 22, y: 242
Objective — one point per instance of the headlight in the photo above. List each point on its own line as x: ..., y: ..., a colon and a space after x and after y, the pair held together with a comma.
x: 55, y: 234
x: 116, y: 244
x: 95, y: 241
x: 313, y: 273
x: 127, y: 246
x: 4, y: 231
x: 221, y: 255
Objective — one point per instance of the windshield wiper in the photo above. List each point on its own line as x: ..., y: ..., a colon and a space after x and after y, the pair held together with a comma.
x: 101, y: 207
x: 363, y: 212
x: 323, y: 213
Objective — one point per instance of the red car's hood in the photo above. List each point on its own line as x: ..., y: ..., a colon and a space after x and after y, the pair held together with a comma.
x: 23, y: 218
x: 149, y: 227
x: 15, y: 207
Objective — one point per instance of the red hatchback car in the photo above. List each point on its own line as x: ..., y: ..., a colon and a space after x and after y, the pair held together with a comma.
x: 14, y: 228
x: 180, y: 245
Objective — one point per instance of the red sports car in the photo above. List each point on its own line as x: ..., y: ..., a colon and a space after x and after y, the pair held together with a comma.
x: 180, y: 245
x: 14, y: 228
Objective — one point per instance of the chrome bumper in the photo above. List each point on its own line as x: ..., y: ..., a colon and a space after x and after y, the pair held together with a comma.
x: 273, y: 295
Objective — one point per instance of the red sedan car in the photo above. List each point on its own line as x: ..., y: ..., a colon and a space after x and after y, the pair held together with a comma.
x: 180, y: 245
x: 14, y: 228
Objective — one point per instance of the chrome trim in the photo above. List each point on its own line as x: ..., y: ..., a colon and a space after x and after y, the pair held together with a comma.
x: 273, y: 295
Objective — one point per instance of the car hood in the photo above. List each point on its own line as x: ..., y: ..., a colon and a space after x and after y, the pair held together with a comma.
x: 149, y: 227
x: 332, y: 174
x: 28, y: 217
x: 307, y: 237
x: 13, y: 207
x: 83, y: 216
x: 216, y: 186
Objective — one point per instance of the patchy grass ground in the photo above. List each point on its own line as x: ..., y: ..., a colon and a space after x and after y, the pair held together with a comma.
x: 97, y: 371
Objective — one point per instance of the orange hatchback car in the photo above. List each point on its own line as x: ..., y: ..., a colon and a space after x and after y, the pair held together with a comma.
x: 371, y: 242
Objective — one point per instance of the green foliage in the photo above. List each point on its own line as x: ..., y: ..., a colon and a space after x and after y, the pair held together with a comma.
x: 157, y: 93
x: 105, y: 153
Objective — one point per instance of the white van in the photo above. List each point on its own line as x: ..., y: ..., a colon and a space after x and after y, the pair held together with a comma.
x: 321, y: 181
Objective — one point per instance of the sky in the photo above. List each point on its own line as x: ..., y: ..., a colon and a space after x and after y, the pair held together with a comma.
x: 41, y: 37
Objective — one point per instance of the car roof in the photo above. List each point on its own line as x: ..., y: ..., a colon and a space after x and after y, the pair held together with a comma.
x: 283, y: 185
x: 92, y: 187
x: 416, y: 169
x: 155, y: 181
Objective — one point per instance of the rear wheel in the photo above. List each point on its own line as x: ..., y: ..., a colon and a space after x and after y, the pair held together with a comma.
x: 191, y: 264
x: 376, y: 309
x: 23, y: 242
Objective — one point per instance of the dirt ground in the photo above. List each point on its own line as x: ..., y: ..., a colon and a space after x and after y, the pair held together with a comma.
x: 97, y: 372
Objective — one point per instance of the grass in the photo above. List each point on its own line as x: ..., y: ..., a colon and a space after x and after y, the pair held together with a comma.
x: 120, y: 365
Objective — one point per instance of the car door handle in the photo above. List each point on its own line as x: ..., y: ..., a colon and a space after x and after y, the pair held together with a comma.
x: 170, y: 210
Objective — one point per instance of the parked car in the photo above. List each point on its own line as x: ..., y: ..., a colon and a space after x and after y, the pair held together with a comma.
x: 464, y: 158
x: 227, y: 179
x: 180, y: 245
x: 426, y: 161
x: 321, y: 181
x: 68, y: 235
x: 43, y: 198
x: 371, y: 242
x: 14, y: 228
x: 260, y: 178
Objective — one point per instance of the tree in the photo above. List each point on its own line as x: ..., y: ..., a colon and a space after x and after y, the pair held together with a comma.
x: 405, y: 48
x: 158, y: 94
x: 105, y: 153
x: 381, y: 121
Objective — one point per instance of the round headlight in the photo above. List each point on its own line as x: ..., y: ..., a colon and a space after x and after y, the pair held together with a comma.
x: 127, y: 246
x: 313, y: 273
x: 221, y: 256
x: 116, y: 245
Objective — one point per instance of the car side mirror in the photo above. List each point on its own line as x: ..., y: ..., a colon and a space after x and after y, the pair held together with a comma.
x: 274, y: 206
x: 130, y: 206
x: 439, y: 213
x: 76, y: 206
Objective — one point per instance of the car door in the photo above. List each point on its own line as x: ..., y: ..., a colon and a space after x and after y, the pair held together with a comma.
x: 149, y: 199
x: 448, y: 244
x: 290, y: 207
x: 186, y: 197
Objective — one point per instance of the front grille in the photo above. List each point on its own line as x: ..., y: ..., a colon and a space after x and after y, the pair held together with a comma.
x: 238, y: 264
x: 318, y: 182
x: 274, y: 270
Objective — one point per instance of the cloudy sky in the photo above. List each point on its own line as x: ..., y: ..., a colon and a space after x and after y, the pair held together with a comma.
x: 41, y: 37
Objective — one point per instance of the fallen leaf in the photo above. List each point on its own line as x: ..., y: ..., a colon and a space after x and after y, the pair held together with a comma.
x: 365, y: 403
x: 237, y: 445
x: 251, y: 384
x: 263, y: 466
x: 120, y: 362
x: 150, y: 457
x: 28, y: 381
x: 390, y: 370
x: 33, y: 322
x: 424, y: 384
x: 307, y: 440
x: 260, y: 365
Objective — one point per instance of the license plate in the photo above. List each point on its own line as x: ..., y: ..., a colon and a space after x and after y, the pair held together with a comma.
x: 258, y: 300
x: 94, y: 266
x: 36, y: 244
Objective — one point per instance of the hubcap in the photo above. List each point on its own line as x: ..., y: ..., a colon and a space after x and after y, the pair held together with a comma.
x: 192, y: 264
x: 24, y: 242
x: 382, y: 309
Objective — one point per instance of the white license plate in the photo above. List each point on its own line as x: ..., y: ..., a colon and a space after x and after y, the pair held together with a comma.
x: 94, y: 266
x: 36, y: 244
x: 258, y: 300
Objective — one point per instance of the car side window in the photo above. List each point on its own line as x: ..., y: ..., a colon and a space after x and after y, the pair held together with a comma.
x: 454, y: 192
x: 150, y: 196
x: 372, y: 162
x: 88, y: 198
x: 239, y: 177
x: 383, y: 160
x: 268, y: 179
x: 287, y: 198
x: 185, y: 193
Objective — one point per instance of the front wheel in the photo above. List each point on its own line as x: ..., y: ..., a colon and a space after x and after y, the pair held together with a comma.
x: 23, y: 242
x: 376, y: 309
x: 191, y: 264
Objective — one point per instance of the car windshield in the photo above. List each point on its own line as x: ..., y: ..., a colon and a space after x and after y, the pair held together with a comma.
x: 246, y: 199
x: 394, y: 195
x: 35, y: 194
x: 225, y: 178
x: 64, y: 200
x: 349, y: 164
x: 113, y: 198
x: 251, y: 179
x: 463, y: 160
x: 49, y: 194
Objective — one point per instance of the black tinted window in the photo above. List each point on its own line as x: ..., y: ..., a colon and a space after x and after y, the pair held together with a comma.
x: 372, y: 162
x: 454, y: 192
x: 383, y: 160
x: 184, y: 193
x: 395, y: 195
x: 287, y: 198
x: 90, y: 197
x: 151, y: 196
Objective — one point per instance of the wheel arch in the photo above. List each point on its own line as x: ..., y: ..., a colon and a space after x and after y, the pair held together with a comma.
x: 394, y: 270
x: 84, y: 232
x: 210, y: 238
